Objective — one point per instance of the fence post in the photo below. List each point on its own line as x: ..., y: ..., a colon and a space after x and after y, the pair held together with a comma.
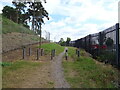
x: 89, y: 43
x: 41, y: 52
x: 78, y: 52
x: 100, y: 43
x: 85, y: 44
x: 66, y: 55
x: 117, y: 46
x: 37, y: 54
x: 51, y: 54
x: 29, y: 51
x: 24, y: 53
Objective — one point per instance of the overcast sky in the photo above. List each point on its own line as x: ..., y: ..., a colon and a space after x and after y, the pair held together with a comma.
x: 77, y: 18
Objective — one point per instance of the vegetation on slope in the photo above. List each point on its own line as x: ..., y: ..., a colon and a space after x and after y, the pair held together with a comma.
x: 85, y: 72
x: 9, y: 26
x: 50, y: 46
x: 14, y: 73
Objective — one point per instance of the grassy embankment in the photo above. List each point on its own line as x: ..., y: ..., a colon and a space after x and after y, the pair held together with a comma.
x: 85, y: 72
x: 50, y: 46
x: 14, y: 73
x: 9, y: 26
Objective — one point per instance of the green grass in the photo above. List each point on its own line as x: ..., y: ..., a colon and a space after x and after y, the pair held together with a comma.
x: 84, y: 72
x: 9, y: 26
x: 50, y: 46
x: 14, y: 73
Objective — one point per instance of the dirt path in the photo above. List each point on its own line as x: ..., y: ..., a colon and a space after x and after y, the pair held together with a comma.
x: 57, y: 72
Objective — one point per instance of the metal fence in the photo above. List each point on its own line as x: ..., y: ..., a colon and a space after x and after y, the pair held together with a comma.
x: 104, y: 46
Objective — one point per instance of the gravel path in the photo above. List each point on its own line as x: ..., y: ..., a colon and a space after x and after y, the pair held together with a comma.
x: 57, y: 72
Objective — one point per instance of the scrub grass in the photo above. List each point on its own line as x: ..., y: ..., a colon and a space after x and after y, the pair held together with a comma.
x: 84, y: 72
x: 16, y: 72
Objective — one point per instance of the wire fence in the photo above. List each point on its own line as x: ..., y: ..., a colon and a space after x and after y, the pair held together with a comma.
x: 104, y: 46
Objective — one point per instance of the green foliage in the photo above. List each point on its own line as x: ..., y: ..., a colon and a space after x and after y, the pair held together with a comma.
x: 109, y: 42
x: 10, y: 13
x: 68, y: 41
x: 106, y: 55
x: 9, y: 26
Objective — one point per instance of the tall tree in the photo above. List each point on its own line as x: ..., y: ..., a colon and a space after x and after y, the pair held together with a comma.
x: 9, y: 12
x: 37, y: 12
x: 68, y: 41
x: 20, y: 8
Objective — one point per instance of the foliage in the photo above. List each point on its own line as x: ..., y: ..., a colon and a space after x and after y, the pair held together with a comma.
x: 109, y: 42
x: 9, y: 12
x: 102, y: 38
x: 62, y: 42
x: 68, y: 41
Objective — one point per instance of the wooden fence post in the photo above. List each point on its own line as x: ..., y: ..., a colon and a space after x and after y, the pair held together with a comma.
x: 41, y: 52
x: 29, y: 51
x: 24, y: 52
x: 54, y: 51
x: 37, y: 54
x: 51, y: 54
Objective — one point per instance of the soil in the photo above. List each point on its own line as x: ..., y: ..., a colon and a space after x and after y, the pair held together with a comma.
x: 57, y: 72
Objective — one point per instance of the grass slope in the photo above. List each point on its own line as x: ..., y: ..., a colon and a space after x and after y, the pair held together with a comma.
x: 50, y: 46
x: 15, y: 72
x: 9, y: 26
x: 84, y: 72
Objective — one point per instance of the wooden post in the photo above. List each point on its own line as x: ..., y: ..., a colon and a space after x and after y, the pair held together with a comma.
x: 24, y: 53
x: 54, y: 51
x: 51, y: 54
x: 41, y: 52
x: 37, y: 54
x: 29, y: 51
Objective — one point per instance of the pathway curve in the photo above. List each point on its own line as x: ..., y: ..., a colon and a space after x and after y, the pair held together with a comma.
x: 57, y: 72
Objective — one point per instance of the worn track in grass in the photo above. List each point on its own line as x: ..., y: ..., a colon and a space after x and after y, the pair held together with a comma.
x: 57, y: 72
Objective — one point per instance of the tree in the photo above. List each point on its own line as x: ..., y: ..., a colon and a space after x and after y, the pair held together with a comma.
x: 61, y: 40
x: 9, y: 12
x: 20, y: 8
x: 68, y: 41
x: 36, y: 13
x: 109, y: 42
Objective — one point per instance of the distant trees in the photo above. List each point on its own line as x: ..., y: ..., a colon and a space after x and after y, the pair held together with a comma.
x: 10, y: 13
x: 68, y: 41
x: 62, y: 42
x: 65, y: 43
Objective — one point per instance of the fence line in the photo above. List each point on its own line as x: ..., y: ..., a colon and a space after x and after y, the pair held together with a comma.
x: 105, y: 45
